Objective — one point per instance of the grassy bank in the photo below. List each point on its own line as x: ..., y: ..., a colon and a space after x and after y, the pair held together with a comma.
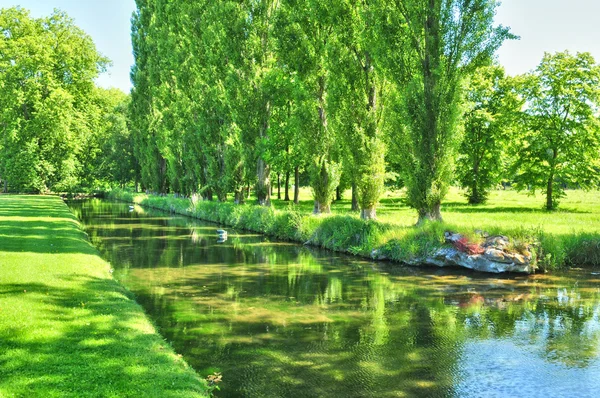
x: 67, y: 329
x: 394, y: 237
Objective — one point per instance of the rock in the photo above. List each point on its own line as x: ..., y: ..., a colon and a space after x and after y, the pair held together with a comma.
x: 482, y: 233
x: 497, y: 255
x: 452, y: 257
x: 498, y: 242
x: 376, y: 254
x: 451, y: 237
x: 519, y: 259
x: 492, y: 255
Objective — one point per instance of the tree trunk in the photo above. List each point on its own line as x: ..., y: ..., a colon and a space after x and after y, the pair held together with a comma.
x: 5, y: 186
x: 287, y: 186
x: 355, y: 206
x: 321, y: 208
x: 474, y: 197
x: 163, y: 175
x: 208, y: 195
x: 239, y: 196
x: 549, y: 191
x: 278, y: 186
x: 550, y: 202
x: 296, y: 185
x: 338, y: 193
x: 368, y: 214
x: 248, y: 191
x: 263, y: 186
x: 430, y: 214
x: 322, y: 195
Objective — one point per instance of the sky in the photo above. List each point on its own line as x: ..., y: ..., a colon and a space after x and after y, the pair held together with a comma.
x: 543, y: 26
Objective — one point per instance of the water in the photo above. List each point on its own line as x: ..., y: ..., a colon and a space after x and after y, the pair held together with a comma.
x: 281, y: 320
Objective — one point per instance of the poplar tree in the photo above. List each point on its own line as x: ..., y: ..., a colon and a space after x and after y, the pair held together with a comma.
x: 433, y: 45
x: 307, y: 35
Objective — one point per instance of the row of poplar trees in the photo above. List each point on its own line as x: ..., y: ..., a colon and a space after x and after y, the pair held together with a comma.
x: 227, y: 94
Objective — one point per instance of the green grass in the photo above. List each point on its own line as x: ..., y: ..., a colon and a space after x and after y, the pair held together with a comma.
x: 579, y: 211
x: 67, y: 329
x: 565, y: 238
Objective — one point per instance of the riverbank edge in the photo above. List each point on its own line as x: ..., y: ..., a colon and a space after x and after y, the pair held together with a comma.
x: 142, y: 346
x: 368, y: 239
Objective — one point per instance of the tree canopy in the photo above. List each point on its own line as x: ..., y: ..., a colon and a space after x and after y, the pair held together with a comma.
x: 229, y: 95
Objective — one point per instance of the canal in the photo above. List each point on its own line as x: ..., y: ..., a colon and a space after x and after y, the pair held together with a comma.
x: 279, y: 319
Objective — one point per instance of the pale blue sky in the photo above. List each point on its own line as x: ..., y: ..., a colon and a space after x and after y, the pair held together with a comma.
x: 544, y: 26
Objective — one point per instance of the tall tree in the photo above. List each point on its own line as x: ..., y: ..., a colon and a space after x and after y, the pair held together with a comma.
x: 433, y: 45
x: 307, y: 35
x: 143, y: 110
x: 357, y: 97
x: 561, y: 139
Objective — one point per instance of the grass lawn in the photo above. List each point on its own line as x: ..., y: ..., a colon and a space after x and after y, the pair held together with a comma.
x: 67, y: 329
x: 579, y: 211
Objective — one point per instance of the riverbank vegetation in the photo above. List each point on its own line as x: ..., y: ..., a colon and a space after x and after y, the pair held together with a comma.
x: 67, y: 329
x: 570, y: 238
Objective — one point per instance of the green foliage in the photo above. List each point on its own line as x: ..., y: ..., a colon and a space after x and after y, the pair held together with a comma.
x: 560, y: 138
x: 370, y: 180
x: 489, y: 126
x: 48, y: 100
x: 414, y: 243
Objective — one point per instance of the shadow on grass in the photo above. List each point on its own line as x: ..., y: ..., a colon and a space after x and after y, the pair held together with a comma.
x: 457, y: 207
x: 89, y: 340
x: 43, y: 237
x: 31, y: 206
x: 39, y: 224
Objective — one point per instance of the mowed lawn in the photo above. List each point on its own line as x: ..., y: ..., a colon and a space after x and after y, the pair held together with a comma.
x: 506, y: 210
x: 67, y: 329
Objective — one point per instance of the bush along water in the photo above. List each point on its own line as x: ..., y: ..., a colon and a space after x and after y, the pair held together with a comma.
x: 428, y: 243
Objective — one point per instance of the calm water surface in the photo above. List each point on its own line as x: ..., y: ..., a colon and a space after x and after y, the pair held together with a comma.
x: 283, y: 320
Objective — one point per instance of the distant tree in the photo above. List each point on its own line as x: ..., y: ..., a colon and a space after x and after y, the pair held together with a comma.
x: 433, y: 45
x: 491, y: 110
x: 117, y: 163
x: 560, y: 142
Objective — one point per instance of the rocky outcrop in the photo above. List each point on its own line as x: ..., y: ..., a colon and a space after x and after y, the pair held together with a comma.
x: 490, y: 256
x: 493, y: 255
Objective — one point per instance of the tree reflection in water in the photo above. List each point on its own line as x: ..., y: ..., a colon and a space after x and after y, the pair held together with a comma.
x: 279, y: 319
